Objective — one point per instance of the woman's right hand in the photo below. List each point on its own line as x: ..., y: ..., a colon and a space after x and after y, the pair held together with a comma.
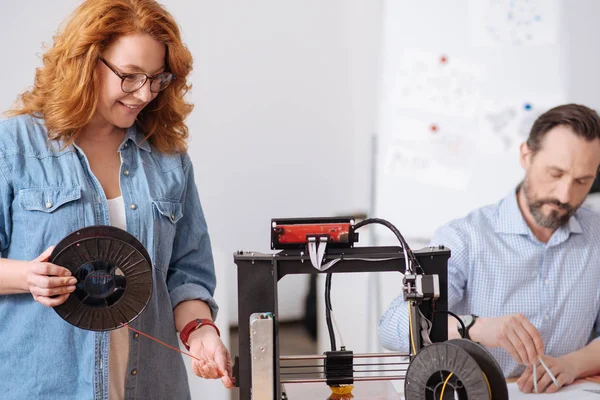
x: 49, y: 284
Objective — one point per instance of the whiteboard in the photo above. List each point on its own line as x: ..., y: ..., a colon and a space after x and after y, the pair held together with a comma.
x: 461, y: 84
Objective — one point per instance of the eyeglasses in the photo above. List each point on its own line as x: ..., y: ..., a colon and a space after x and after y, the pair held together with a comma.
x: 132, y: 82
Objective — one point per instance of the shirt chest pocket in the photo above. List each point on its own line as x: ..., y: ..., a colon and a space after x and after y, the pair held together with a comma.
x: 56, y: 210
x: 166, y: 215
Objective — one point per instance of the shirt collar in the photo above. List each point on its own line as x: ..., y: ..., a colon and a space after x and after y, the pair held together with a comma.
x: 509, y: 219
x: 138, y: 138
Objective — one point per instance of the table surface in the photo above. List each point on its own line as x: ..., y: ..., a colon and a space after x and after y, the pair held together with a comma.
x: 386, y: 390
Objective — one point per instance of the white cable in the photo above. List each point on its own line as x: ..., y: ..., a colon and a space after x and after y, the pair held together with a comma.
x: 406, y: 262
x: 335, y: 261
x: 337, y: 329
x: 312, y: 252
x: 370, y: 259
x: 330, y: 264
x: 321, y: 251
x: 316, y: 251
x: 426, y: 326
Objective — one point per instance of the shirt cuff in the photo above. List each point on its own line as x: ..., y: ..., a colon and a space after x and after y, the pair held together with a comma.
x: 191, y: 291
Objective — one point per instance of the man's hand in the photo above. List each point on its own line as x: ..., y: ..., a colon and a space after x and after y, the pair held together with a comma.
x: 215, y: 361
x: 45, y: 280
x: 514, y: 333
x: 562, y: 370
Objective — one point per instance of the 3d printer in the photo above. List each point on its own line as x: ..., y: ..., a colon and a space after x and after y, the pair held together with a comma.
x: 437, y: 368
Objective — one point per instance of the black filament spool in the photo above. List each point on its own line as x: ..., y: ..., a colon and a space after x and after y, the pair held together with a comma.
x: 114, y: 277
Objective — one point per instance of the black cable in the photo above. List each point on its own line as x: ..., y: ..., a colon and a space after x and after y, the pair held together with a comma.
x: 462, y: 324
x: 405, y: 246
x: 396, y: 232
x: 328, y: 310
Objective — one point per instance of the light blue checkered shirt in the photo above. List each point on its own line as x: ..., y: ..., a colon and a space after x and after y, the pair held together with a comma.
x: 497, y: 267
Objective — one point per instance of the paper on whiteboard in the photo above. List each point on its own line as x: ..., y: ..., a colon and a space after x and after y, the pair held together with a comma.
x: 434, y: 82
x: 441, y: 157
x: 407, y: 162
x: 509, y: 122
x: 514, y: 22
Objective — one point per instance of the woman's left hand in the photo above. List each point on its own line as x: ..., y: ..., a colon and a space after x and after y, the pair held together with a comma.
x: 212, y: 357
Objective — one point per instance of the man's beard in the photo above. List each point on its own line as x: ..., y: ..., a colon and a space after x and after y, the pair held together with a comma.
x: 553, y: 220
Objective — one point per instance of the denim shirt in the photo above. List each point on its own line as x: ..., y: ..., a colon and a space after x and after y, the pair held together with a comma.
x: 47, y: 192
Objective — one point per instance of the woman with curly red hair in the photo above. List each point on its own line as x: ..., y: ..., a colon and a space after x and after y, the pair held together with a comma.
x: 100, y: 139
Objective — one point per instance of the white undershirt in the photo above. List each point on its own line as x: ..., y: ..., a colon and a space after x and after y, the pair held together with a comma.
x: 116, y: 211
x: 118, y: 355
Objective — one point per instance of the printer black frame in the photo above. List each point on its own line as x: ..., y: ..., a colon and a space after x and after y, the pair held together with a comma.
x: 259, y: 274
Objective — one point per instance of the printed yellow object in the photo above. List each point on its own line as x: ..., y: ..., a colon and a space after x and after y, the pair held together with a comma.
x: 343, y: 389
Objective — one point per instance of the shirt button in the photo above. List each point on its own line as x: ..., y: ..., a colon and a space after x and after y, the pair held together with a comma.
x: 172, y: 218
x: 125, y: 145
x: 136, y: 335
x: 48, y: 204
x: 547, y: 282
x: 126, y: 172
x: 546, y: 317
x: 134, y: 372
x: 133, y: 206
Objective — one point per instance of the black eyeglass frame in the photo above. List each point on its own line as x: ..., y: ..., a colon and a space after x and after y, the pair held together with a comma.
x: 147, y: 77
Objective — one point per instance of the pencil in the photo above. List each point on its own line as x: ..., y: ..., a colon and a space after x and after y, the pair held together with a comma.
x: 548, y: 371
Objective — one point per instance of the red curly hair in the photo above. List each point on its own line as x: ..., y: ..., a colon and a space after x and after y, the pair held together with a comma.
x: 65, y: 91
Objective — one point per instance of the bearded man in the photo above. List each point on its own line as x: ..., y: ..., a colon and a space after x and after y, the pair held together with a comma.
x: 524, y: 274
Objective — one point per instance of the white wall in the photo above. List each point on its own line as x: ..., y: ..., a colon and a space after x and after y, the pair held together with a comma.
x: 582, y: 38
x: 285, y: 103
x: 22, y: 48
x: 275, y: 119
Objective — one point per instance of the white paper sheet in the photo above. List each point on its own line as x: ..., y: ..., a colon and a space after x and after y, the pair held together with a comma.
x: 580, y: 391
x: 414, y: 151
x: 427, y: 81
x: 509, y: 121
x: 514, y: 22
